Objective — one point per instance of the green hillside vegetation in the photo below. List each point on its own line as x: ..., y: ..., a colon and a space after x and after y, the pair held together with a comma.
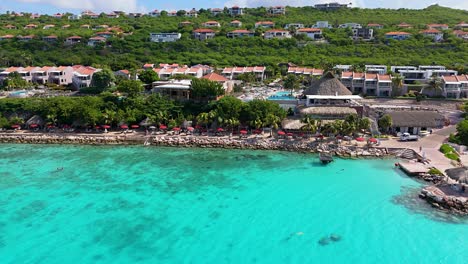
x: 132, y: 48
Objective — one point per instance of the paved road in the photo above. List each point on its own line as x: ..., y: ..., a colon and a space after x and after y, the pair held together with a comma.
x: 429, y: 146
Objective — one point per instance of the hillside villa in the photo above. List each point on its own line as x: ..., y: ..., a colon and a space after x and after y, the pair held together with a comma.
x: 435, y: 34
x: 313, y: 33
x: 239, y: 33
x: 277, y: 33
x: 397, y: 35
x: 165, y: 37
x: 203, y: 33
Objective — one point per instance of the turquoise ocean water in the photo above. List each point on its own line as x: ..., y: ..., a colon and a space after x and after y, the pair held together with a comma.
x: 166, y: 205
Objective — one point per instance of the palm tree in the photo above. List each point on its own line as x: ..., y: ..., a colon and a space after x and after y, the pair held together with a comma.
x: 435, y: 84
x: 397, y: 83
x: 310, y: 124
x: 204, y: 118
x: 291, y: 82
x: 273, y: 121
x: 257, y: 123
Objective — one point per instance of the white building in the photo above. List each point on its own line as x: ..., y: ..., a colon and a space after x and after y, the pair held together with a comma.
x: 277, y: 33
x: 313, y: 33
x: 322, y: 24
x: 350, y: 25
x: 294, y: 26
x: 165, y: 37
x: 435, y: 34
x: 380, y: 69
x: 276, y: 10
x: 455, y: 86
x: 236, y: 11
x: 232, y: 73
x: 368, y: 83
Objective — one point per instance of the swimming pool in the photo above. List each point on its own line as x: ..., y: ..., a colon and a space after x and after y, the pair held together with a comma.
x: 285, y: 95
x: 18, y: 94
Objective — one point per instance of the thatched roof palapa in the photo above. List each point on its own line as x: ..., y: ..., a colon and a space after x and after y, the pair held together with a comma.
x: 416, y: 118
x: 328, y: 111
x: 459, y: 174
x: 327, y: 85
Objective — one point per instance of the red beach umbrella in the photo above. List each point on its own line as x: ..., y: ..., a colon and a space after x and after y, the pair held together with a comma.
x: 290, y: 134
x: 134, y: 126
x: 339, y: 137
x: 33, y: 125
x: 124, y: 127
x: 106, y: 126
x: 190, y: 128
x: 257, y: 131
x: 360, y: 139
x: 15, y: 126
x: 198, y: 127
x: 176, y: 129
x: 52, y: 126
x: 163, y: 127
x: 243, y: 132
x: 220, y: 129
x: 281, y: 133
x: 372, y: 140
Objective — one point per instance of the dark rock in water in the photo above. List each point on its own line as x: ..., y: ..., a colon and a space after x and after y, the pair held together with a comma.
x: 335, y: 237
x: 324, y: 241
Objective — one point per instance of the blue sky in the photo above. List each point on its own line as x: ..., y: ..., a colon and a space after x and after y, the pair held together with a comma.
x: 75, y: 6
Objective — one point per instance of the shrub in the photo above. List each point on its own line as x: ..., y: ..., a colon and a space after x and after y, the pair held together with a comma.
x: 445, y: 148
x: 435, y: 171
x: 452, y: 156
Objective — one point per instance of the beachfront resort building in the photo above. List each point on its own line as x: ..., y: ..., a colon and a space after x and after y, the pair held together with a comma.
x: 166, y: 71
x: 413, y: 122
x: 455, y: 86
x: 231, y: 73
x: 165, y: 37
x: 311, y: 72
x: 83, y: 76
x: 367, y: 83
x: 61, y: 75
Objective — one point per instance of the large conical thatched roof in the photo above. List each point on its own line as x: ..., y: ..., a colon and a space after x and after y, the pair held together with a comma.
x: 327, y: 85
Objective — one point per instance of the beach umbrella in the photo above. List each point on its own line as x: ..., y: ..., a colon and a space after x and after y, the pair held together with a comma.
x: 257, y: 131
x: 106, y: 126
x: 134, y: 126
x: 33, y: 125
x: 372, y: 140
x: 176, y: 129
x: 290, y: 134
x: 66, y: 126
x: 360, y: 139
x: 97, y: 127
x: 281, y: 133
x: 124, y: 127
x: 162, y: 127
x: 339, y: 137
x: 152, y: 127
x: 243, y: 132
x: 15, y: 126
x: 220, y: 129
x: 190, y: 128
x: 198, y: 127
x: 52, y: 126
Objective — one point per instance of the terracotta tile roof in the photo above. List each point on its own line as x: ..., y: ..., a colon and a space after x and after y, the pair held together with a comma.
x: 238, y: 69
x: 235, y: 22
x: 403, y: 24
x: 211, y: 22
x: 203, y: 30
x: 216, y: 9
x: 215, y: 77
x: 462, y: 78
x: 452, y: 78
x: 373, y: 25
x: 227, y: 70
x: 157, y: 70
x: 397, y: 33
x: 249, y: 69
x: 429, y: 31
x: 437, y: 25
x: 7, y: 37
x: 241, y: 31
x: 74, y: 37
x: 85, y: 70
x: 51, y: 37
x: 370, y: 76
x: 460, y: 32
x: 346, y: 74
x: 148, y: 65
x: 259, y: 69
x: 358, y: 75
x: 384, y: 77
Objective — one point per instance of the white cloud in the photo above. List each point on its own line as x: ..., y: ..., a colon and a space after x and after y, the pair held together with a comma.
x: 95, y: 5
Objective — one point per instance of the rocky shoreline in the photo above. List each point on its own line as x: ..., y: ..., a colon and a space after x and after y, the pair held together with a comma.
x: 437, y: 197
x: 432, y: 194
x: 198, y: 141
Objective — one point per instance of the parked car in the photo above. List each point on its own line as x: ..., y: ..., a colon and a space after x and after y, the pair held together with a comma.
x: 408, y: 137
